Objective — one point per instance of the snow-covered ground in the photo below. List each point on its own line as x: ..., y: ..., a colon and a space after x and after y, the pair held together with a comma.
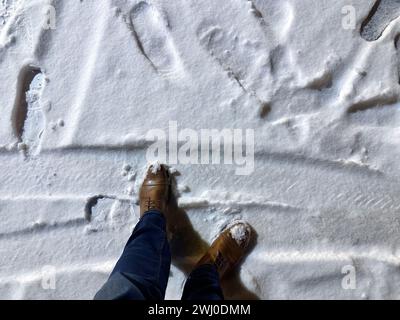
x: 321, y: 94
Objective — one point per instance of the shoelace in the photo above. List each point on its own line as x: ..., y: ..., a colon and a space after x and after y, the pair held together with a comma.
x: 151, y: 204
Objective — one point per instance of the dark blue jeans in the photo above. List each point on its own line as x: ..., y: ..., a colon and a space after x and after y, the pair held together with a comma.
x: 142, y: 271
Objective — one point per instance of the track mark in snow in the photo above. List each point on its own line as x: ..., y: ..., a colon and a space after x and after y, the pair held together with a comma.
x: 256, y: 12
x: 102, y: 211
x: 206, y: 202
x: 105, y: 267
x: 28, y: 116
x: 382, y: 13
x: 296, y: 256
x: 374, y: 102
x: 150, y: 30
x: 235, y: 59
x: 305, y: 161
x: 43, y: 227
x: 323, y: 80
x: 397, y: 46
x: 215, y: 41
x: 367, y: 201
x: 25, y: 78
x: 93, y: 204
x: 265, y: 109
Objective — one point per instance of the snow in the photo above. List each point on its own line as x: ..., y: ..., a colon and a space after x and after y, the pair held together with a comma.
x: 240, y: 233
x: 322, y: 99
x: 154, y: 167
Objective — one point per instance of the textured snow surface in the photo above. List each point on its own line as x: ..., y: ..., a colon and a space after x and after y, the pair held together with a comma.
x: 323, y: 101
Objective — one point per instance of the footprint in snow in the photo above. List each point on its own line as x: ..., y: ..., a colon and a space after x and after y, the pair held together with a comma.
x: 382, y: 13
x: 151, y: 31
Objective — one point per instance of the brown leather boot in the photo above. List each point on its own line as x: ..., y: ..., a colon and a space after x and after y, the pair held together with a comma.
x: 229, y: 248
x: 155, y: 190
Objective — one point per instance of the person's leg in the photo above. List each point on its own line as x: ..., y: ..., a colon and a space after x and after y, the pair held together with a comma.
x: 203, y: 284
x: 143, y: 269
x: 223, y: 255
